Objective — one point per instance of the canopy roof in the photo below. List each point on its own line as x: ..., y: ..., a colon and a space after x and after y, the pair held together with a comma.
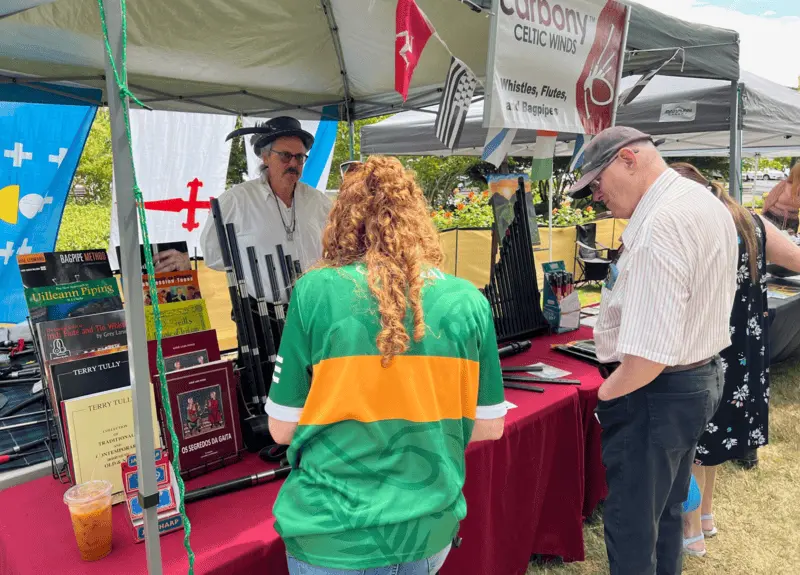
x: 771, y: 121
x: 261, y: 57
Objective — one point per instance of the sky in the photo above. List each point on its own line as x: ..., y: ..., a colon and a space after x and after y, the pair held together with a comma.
x: 769, y: 31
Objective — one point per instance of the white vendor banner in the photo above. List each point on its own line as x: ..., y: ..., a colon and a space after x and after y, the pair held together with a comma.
x: 554, y: 64
x: 181, y: 161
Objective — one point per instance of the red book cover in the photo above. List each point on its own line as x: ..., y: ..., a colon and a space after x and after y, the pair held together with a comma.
x: 182, y: 351
x: 205, y: 415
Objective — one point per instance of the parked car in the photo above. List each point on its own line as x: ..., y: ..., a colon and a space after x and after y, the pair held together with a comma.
x: 749, y: 175
x: 770, y: 174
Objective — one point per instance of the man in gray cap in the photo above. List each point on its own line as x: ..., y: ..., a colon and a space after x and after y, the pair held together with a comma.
x: 663, y: 319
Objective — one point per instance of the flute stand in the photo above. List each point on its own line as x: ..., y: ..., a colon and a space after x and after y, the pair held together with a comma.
x: 253, y: 422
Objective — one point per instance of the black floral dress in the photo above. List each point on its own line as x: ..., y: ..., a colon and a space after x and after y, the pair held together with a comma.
x: 742, y: 420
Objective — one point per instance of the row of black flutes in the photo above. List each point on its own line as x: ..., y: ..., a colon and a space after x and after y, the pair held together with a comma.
x: 261, y: 303
x: 258, y: 385
x: 236, y: 484
x: 237, y: 287
x: 240, y: 306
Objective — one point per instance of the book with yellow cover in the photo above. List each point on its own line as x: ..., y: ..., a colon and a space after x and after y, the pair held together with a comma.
x: 178, y: 318
x: 100, y: 435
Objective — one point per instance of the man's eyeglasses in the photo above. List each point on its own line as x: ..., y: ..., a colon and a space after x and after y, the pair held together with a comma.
x: 286, y: 157
x: 347, y: 167
x: 595, y: 185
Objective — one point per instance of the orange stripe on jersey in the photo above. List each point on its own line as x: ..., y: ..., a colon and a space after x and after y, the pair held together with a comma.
x: 415, y: 388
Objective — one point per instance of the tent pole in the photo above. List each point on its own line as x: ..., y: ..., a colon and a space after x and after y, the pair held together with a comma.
x: 735, y: 146
x: 351, y: 130
x: 131, y: 268
x: 550, y: 218
x: 621, y: 64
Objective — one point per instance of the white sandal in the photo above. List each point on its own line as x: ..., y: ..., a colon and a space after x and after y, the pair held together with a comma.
x: 713, y: 531
x: 693, y: 552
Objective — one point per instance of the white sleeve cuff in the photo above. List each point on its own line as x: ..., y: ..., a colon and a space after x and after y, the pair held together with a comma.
x: 282, y: 412
x: 491, y: 411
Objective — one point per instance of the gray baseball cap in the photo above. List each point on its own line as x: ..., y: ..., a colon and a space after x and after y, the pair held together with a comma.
x: 600, y: 152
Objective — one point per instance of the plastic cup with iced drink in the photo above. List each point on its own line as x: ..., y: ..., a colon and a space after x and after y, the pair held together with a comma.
x: 90, y: 508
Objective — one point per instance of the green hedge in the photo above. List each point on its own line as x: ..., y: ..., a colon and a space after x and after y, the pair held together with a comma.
x: 84, y: 227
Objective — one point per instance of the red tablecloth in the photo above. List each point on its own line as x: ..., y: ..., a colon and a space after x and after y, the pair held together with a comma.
x: 595, y: 489
x: 526, y: 494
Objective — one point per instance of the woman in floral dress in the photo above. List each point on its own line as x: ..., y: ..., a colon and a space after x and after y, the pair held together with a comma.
x: 742, y: 420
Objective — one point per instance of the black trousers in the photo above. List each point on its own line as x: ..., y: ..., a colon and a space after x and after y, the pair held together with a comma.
x: 649, y: 439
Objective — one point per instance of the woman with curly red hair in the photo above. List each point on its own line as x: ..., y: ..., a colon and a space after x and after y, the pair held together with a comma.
x: 386, y: 370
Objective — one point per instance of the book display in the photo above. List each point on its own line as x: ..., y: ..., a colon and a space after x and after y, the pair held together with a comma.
x: 205, y: 416
x: 100, y: 434
x: 173, y: 287
x: 169, y: 518
x: 78, y: 326
x: 71, y: 337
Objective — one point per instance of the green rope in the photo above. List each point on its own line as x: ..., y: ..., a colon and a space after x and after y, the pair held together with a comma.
x: 121, y: 78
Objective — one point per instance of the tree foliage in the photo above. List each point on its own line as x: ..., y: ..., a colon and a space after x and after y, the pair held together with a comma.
x: 237, y: 164
x: 84, y: 227
x: 95, y: 168
x: 341, y: 150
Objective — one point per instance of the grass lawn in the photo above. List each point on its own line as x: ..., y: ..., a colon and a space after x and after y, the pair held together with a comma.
x: 759, y: 526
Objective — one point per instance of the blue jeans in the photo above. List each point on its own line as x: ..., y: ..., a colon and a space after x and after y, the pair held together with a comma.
x: 427, y: 566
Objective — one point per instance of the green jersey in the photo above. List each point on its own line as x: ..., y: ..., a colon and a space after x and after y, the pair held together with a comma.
x: 378, y: 454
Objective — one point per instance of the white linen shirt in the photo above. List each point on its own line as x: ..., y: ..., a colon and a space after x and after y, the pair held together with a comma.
x: 672, y: 299
x: 251, y: 207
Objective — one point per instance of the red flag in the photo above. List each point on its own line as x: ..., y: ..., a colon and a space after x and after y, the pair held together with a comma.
x: 413, y: 32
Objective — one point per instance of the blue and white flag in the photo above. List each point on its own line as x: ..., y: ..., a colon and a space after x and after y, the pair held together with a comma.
x: 40, y: 146
x: 498, y: 143
x: 318, y: 165
x: 581, y: 141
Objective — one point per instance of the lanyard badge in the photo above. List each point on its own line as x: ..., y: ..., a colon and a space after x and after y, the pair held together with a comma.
x: 611, y: 276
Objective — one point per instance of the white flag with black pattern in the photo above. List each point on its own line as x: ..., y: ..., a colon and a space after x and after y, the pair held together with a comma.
x: 630, y: 94
x: 456, y: 98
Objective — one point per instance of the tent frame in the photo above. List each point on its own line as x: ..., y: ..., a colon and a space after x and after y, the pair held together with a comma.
x: 131, y: 267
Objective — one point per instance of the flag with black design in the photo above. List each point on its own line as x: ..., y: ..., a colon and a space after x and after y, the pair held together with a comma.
x: 454, y: 105
x: 630, y: 94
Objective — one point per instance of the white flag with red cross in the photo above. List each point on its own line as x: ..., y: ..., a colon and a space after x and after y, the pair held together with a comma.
x: 181, y: 162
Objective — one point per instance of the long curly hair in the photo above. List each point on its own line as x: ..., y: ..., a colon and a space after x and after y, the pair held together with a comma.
x: 381, y: 218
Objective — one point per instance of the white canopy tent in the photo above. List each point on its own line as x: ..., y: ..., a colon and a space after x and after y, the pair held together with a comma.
x: 262, y: 58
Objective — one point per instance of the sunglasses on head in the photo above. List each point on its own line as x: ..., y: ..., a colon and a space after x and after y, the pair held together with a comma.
x: 349, y: 166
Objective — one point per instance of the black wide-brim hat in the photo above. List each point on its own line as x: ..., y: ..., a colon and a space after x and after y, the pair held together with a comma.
x: 267, y: 132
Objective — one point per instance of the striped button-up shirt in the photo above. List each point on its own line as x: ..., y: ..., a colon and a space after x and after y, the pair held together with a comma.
x: 671, y: 299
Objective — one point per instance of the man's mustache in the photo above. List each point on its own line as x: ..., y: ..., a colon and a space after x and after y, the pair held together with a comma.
x: 294, y: 171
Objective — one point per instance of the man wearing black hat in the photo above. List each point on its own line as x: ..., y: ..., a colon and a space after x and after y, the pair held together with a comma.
x: 276, y: 208
x: 664, y: 317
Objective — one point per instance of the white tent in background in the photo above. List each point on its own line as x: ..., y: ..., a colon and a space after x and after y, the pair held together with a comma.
x: 691, y: 114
